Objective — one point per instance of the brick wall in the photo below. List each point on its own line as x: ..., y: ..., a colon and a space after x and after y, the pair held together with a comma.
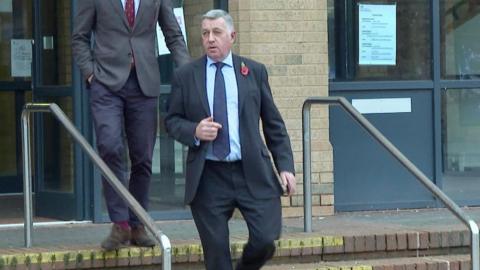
x: 193, y: 11
x: 290, y: 37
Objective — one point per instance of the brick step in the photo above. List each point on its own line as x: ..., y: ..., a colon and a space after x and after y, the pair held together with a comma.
x: 452, y: 262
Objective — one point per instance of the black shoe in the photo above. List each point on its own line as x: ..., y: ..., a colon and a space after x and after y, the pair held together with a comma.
x: 117, y: 238
x: 139, y: 237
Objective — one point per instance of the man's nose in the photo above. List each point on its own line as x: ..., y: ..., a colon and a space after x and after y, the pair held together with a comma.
x: 211, y: 37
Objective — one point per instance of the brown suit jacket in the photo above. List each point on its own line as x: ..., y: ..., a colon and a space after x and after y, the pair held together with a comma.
x: 114, y: 41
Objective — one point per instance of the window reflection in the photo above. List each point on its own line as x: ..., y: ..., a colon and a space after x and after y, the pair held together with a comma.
x: 58, y: 150
x: 460, y: 46
x: 461, y: 130
x: 8, y: 140
x: 56, y: 44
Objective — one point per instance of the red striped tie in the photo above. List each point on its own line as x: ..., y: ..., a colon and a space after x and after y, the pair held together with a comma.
x: 130, y: 12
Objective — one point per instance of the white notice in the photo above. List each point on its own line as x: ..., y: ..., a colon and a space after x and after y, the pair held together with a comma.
x: 377, y: 31
x: 162, y: 47
x: 21, y: 57
x: 5, y: 5
x: 383, y: 105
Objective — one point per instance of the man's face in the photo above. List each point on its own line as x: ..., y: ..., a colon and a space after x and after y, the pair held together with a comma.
x: 217, y: 40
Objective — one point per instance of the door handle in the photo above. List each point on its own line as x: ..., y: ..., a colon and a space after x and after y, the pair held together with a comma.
x: 48, y: 43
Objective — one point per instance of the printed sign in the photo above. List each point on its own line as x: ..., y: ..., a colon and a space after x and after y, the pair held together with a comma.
x: 377, y: 34
x: 5, y: 5
x: 21, y: 57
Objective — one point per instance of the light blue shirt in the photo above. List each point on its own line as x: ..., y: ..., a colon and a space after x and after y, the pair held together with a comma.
x: 137, y: 4
x: 232, y: 105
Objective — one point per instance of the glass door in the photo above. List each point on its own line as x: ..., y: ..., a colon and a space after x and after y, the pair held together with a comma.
x: 56, y: 189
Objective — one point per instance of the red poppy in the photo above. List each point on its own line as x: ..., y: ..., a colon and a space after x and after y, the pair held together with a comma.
x: 244, y: 69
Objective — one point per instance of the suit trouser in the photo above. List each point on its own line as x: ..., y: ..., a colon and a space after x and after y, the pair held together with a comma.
x: 115, y: 114
x: 223, y: 188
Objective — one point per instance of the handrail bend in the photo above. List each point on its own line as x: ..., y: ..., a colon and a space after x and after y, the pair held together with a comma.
x: 451, y: 205
x: 109, y: 175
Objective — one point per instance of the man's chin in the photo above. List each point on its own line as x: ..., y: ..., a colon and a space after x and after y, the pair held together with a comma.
x: 214, y: 56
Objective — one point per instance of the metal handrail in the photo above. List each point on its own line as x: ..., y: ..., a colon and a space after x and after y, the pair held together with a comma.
x: 451, y: 205
x: 109, y: 175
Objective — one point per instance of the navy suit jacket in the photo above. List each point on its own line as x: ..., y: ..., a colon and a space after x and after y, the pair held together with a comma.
x: 188, y: 105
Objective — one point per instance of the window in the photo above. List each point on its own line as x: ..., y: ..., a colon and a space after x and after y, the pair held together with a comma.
x: 409, y: 40
x: 460, y: 21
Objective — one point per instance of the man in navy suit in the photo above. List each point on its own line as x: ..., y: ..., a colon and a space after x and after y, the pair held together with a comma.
x: 215, y: 108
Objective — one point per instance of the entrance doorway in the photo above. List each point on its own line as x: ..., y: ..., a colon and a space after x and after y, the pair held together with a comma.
x: 36, y: 66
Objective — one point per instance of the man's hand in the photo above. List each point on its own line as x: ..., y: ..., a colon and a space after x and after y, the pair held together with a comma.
x: 207, y: 130
x: 288, y: 182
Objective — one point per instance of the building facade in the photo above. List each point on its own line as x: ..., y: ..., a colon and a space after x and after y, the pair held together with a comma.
x: 422, y: 94
x: 420, y: 58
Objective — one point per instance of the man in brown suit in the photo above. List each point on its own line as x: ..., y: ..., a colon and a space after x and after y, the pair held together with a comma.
x: 122, y: 73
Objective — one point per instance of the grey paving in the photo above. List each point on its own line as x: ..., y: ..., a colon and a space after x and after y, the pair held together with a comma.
x: 340, y: 224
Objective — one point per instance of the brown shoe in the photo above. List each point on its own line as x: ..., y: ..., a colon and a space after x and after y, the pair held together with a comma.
x: 140, y: 237
x: 117, y: 238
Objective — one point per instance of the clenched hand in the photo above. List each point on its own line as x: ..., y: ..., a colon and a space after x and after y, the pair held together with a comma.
x: 207, y: 129
x: 289, y: 182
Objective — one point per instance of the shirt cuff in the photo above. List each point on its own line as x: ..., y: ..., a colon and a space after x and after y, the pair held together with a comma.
x: 197, y: 141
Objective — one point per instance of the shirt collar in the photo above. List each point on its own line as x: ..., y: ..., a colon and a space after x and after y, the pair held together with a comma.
x: 228, y: 61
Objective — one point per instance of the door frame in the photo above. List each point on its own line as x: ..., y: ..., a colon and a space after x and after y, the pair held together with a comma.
x: 74, y: 205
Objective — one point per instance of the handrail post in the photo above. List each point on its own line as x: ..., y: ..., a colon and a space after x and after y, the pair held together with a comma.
x: 166, y: 252
x: 475, y: 248
x: 27, y: 178
x: 307, y: 169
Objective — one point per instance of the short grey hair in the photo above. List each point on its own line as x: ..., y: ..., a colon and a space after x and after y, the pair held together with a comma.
x: 219, y: 13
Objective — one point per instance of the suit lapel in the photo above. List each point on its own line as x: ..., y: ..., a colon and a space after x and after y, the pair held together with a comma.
x: 241, y: 82
x: 200, y: 76
x: 118, y: 7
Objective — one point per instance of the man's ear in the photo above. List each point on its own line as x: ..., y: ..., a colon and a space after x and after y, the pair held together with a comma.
x: 233, y: 35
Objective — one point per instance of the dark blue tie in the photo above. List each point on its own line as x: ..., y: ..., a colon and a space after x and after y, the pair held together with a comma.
x: 221, y: 145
